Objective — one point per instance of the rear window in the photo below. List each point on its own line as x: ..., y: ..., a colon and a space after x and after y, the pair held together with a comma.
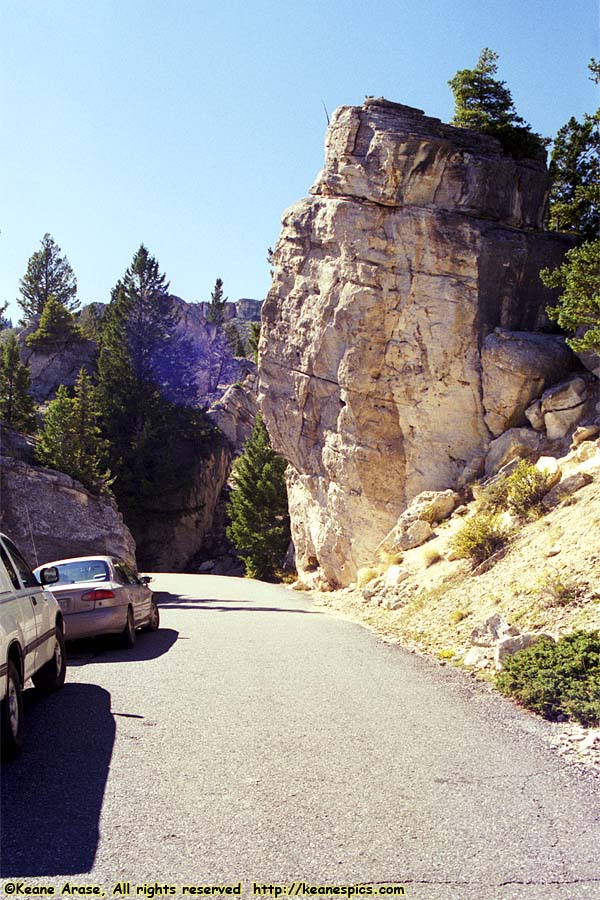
x: 88, y: 570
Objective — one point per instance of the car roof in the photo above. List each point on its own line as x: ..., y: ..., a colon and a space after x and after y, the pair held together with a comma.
x: 59, y: 562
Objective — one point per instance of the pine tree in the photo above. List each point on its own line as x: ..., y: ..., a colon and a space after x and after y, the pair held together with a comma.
x: 253, y: 339
x: 579, y: 305
x: 144, y: 380
x: 483, y: 103
x: 216, y: 307
x: 48, y: 274
x: 70, y: 440
x: 55, y: 448
x: 260, y: 524
x: 91, y: 449
x: 575, y: 171
x: 57, y: 327
x: 17, y: 407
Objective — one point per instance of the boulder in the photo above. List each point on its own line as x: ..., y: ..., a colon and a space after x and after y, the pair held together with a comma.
x: 417, y: 241
x: 394, y: 576
x: 517, y: 367
x: 511, y: 645
x: 563, y: 406
x: 584, y: 433
x: 549, y: 467
x: 516, y: 443
x: 534, y: 416
x: 494, y: 629
x: 565, y: 488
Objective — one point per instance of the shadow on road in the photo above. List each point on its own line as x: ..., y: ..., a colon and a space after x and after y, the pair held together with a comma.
x: 51, y: 796
x: 148, y: 645
x: 208, y: 604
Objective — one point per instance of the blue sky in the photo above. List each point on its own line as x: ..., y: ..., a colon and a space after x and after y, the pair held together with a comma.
x: 191, y: 126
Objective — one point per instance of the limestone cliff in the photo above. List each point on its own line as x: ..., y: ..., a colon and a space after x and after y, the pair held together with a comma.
x: 417, y: 241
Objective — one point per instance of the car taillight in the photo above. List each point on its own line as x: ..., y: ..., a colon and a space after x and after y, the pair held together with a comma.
x: 98, y: 594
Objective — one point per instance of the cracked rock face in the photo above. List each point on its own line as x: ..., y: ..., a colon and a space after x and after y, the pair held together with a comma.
x: 417, y: 241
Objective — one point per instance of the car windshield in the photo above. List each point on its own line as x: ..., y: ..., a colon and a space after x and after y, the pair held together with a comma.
x: 83, y: 570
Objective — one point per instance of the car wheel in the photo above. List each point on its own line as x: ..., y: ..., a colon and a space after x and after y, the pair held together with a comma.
x: 154, y: 620
x: 11, y: 713
x: 51, y: 677
x: 128, y: 633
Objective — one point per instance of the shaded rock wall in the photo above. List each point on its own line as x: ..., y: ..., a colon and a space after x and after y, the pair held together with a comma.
x: 51, y: 516
x: 417, y: 241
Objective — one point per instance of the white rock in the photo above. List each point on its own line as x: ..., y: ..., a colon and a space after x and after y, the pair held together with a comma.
x: 478, y: 658
x: 491, y: 631
x: 395, y: 575
x: 563, y: 405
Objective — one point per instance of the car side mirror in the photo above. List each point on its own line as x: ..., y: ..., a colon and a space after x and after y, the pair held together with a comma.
x: 49, y: 575
x: 145, y: 579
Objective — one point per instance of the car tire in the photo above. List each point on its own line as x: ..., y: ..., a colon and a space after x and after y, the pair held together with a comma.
x: 11, y: 713
x: 51, y: 677
x: 154, y: 620
x: 128, y: 633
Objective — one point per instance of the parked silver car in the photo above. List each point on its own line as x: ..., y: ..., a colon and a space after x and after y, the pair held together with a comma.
x: 102, y: 595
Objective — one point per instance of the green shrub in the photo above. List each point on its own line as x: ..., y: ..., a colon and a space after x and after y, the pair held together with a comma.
x: 520, y: 493
x: 527, y: 485
x: 557, y: 679
x: 480, y: 537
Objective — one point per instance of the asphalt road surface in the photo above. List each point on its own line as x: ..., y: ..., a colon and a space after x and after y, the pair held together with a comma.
x: 256, y: 739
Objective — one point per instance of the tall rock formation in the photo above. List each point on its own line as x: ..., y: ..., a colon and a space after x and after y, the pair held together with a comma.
x: 417, y: 241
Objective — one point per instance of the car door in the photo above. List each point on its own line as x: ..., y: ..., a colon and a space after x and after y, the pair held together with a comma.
x: 34, y: 613
x: 139, y: 593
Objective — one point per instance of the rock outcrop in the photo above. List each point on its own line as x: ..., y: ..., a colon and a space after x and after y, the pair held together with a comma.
x: 235, y: 413
x: 52, y: 366
x: 51, y: 516
x: 418, y: 240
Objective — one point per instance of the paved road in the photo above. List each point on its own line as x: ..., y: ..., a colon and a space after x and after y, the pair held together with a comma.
x: 254, y: 738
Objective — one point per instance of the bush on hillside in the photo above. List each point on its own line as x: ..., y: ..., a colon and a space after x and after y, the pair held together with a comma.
x: 482, y: 535
x: 557, y: 679
x: 520, y: 493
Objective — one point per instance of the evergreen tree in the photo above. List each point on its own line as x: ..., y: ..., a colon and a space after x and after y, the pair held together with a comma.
x: 17, y: 407
x: 70, y: 440
x: 483, y: 103
x: 143, y: 381
x: 216, y: 307
x: 48, y: 274
x: 260, y: 524
x: 4, y: 321
x: 253, y: 339
x: 579, y: 304
x: 575, y: 171
x: 55, y: 448
x: 57, y: 327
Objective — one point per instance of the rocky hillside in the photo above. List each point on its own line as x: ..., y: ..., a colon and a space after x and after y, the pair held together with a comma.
x: 379, y: 356
x: 50, y: 515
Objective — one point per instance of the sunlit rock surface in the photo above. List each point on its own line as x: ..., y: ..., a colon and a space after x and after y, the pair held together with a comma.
x: 417, y: 241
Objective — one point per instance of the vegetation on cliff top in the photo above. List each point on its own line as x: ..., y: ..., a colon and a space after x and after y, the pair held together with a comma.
x: 483, y: 103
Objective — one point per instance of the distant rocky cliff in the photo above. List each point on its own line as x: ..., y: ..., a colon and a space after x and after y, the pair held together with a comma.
x: 418, y: 240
